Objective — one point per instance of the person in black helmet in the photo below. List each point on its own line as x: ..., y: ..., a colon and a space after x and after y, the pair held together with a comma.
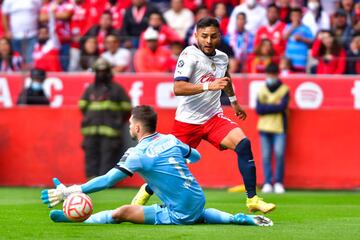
x: 34, y: 94
x: 106, y: 108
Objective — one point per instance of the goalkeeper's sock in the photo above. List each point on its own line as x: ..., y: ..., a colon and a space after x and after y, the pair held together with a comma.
x: 58, y: 216
x: 246, y: 166
x: 214, y: 216
x: 104, y: 217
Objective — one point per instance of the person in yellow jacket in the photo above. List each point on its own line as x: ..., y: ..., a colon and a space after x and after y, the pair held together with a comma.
x: 106, y: 108
x: 272, y: 108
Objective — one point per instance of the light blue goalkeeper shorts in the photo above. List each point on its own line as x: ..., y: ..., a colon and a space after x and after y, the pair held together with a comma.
x: 157, y: 215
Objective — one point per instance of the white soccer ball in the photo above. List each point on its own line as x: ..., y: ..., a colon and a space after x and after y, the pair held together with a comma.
x: 78, y: 207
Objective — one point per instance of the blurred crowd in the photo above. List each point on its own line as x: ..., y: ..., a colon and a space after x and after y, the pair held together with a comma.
x: 301, y: 36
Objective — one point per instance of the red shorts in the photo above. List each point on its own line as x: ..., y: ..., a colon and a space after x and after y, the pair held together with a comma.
x: 213, y: 131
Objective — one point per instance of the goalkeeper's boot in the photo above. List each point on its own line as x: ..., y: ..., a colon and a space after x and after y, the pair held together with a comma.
x: 255, y: 220
x: 257, y: 204
x: 58, y: 216
x: 142, y: 197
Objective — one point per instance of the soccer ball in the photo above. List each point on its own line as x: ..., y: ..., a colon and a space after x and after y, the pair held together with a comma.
x: 78, y: 207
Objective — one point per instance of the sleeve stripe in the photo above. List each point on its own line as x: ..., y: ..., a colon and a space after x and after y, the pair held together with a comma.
x: 182, y: 79
x: 188, y: 154
x: 124, y: 170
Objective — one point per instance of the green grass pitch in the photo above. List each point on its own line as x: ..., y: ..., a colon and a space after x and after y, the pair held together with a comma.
x: 300, y: 215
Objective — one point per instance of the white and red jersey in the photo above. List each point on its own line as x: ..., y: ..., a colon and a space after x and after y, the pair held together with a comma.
x: 63, y: 30
x: 47, y: 56
x: 95, y: 8
x: 274, y: 34
x: 117, y: 13
x: 195, y: 67
x: 79, y: 20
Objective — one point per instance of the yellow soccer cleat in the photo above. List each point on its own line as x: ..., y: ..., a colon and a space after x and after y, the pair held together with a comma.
x: 142, y: 197
x: 257, y: 204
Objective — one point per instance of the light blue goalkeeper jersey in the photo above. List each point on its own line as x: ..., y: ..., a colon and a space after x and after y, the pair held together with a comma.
x: 160, y: 160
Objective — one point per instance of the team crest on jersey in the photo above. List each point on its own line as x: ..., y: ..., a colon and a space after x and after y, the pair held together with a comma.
x: 181, y: 63
x: 213, y: 66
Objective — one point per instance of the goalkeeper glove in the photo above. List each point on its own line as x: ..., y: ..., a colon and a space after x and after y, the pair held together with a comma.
x: 54, y: 196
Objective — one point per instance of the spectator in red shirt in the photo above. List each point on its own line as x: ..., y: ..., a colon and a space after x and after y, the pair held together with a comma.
x: 10, y: 61
x: 273, y: 31
x: 117, y: 9
x: 329, y: 53
x: 152, y: 58
x: 95, y: 8
x: 63, y: 14
x: 220, y: 13
x: 263, y: 55
x: 166, y: 34
x: 78, y: 26
x: 46, y: 53
x: 101, y: 30
x: 284, y: 10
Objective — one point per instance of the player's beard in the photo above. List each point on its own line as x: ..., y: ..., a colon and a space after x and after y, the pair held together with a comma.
x: 133, y: 136
x: 207, y: 51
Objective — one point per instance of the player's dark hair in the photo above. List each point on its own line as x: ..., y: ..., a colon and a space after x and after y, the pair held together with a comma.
x: 147, y: 116
x: 207, y: 22
x: 272, y: 68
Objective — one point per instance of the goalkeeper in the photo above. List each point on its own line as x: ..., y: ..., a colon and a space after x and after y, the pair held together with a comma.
x: 161, y: 161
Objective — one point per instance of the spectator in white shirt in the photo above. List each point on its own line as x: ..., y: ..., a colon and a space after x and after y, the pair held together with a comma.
x: 315, y: 17
x: 20, y: 21
x: 119, y: 58
x: 255, y: 14
x: 179, y: 18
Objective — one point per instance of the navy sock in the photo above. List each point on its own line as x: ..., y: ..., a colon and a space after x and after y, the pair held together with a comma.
x: 149, y: 190
x: 246, y: 166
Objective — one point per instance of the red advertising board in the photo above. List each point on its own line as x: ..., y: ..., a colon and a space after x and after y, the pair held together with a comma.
x: 307, y: 92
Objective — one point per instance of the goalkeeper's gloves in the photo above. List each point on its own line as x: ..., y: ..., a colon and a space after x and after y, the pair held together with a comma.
x: 54, y: 196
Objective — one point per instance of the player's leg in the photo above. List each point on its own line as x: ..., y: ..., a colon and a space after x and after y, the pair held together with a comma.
x: 129, y: 213
x: 237, y: 141
x: 279, y: 149
x: 214, y: 216
x: 143, y: 195
x: 223, y: 133
x: 103, y: 217
x: 266, y: 140
x: 126, y: 213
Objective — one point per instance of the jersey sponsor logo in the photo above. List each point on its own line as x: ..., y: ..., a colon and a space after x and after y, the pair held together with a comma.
x: 181, y: 63
x: 209, y: 77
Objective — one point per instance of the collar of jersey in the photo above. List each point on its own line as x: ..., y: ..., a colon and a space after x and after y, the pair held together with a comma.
x: 149, y: 136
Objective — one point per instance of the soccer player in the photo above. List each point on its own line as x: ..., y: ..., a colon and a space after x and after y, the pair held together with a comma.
x: 200, y: 75
x: 160, y: 160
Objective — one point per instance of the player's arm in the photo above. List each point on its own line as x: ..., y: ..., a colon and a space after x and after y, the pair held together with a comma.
x: 190, y: 154
x: 183, y: 88
x: 229, y: 90
x: 52, y: 197
x: 193, y: 156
